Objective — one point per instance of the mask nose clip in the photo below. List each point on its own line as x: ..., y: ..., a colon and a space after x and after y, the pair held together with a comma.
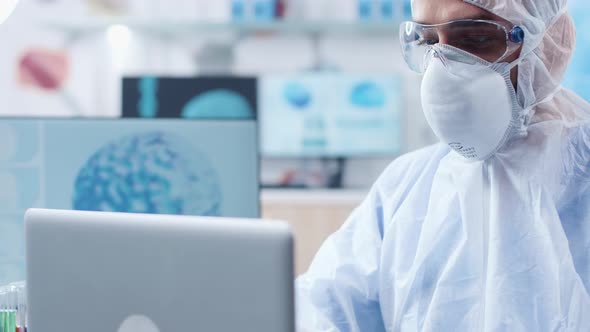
x: 431, y: 54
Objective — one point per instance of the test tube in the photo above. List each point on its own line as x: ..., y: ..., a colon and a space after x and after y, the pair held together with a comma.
x: 10, y: 314
x: 21, y: 307
x: 13, y: 308
x: 11, y: 320
x: 3, y: 291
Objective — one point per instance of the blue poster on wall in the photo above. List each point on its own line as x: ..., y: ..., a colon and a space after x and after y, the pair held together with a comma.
x: 207, y: 168
x: 577, y: 77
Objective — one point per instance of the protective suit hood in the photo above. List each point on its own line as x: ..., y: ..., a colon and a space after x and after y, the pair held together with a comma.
x: 546, y: 53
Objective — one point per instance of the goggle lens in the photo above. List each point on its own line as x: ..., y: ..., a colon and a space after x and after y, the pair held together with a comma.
x: 488, y: 40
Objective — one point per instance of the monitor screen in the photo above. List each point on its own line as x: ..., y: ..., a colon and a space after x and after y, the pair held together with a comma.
x: 330, y: 115
x: 184, y: 167
x: 189, y: 97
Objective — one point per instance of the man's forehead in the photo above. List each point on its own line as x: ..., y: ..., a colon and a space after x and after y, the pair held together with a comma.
x: 442, y: 11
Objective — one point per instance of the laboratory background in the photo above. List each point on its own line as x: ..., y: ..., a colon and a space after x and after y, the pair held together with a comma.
x: 280, y: 109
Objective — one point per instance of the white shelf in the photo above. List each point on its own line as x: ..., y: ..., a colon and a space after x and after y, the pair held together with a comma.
x: 309, y: 197
x: 192, y: 27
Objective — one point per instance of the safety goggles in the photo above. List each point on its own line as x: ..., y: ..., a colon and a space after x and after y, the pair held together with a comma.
x: 492, y: 41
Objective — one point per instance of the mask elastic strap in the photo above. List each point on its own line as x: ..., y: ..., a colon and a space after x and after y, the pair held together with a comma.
x: 506, y: 67
x: 515, y: 63
x: 549, y: 97
x: 527, y: 111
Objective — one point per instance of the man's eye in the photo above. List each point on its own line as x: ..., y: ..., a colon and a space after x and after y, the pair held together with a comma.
x: 427, y: 41
x: 481, y: 40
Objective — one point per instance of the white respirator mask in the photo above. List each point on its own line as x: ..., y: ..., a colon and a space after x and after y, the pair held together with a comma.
x: 469, y: 103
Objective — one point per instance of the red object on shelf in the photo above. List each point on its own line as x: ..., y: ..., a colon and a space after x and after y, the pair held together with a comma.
x: 281, y: 8
x: 43, y: 68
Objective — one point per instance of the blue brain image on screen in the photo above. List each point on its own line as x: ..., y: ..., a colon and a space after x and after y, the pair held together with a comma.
x: 367, y: 95
x: 152, y: 172
x: 297, y: 95
x: 224, y: 104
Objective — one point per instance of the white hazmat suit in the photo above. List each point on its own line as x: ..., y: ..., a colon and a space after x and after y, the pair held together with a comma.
x: 446, y: 244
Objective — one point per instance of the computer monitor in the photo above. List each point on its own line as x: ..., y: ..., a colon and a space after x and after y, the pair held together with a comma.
x: 330, y: 115
x: 187, y: 167
x: 206, y: 97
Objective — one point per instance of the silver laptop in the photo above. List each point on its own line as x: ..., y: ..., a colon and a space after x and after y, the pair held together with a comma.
x: 103, y: 272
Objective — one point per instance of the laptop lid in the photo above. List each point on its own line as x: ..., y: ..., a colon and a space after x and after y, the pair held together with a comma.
x: 100, y: 272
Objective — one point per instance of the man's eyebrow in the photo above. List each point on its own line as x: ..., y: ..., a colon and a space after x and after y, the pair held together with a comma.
x: 482, y: 16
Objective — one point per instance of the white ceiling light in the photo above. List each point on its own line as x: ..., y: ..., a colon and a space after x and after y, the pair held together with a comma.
x: 6, y: 8
x: 118, y: 35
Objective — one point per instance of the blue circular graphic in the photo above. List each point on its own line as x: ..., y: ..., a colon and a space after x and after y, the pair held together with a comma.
x: 367, y: 95
x: 297, y: 95
x: 152, y: 172
x: 218, y: 104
